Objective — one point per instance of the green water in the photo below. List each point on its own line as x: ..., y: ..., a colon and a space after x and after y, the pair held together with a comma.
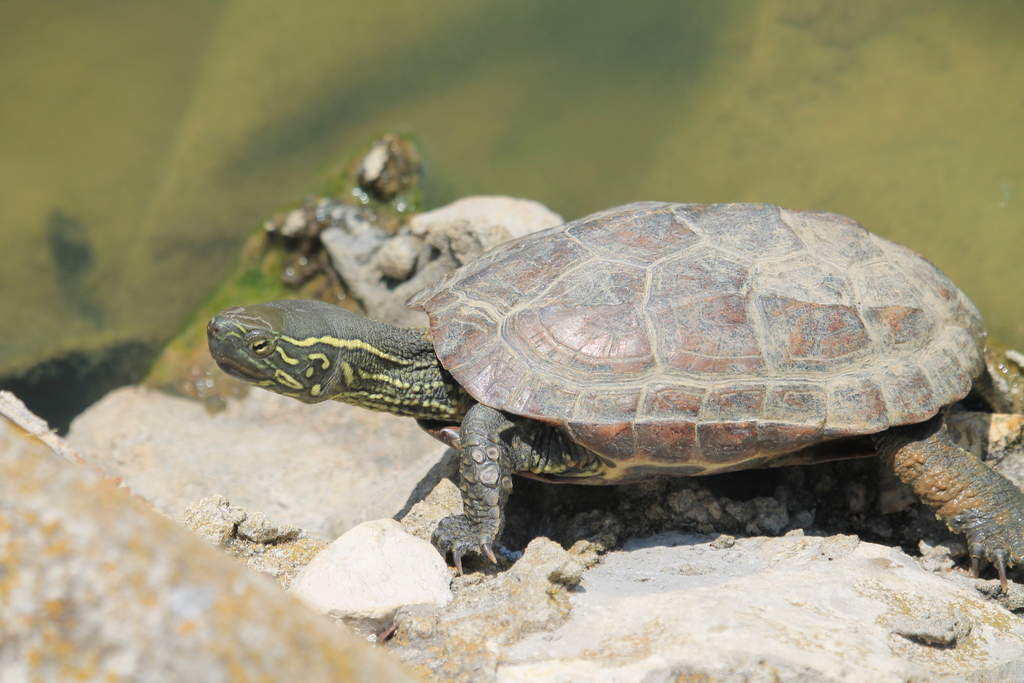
x: 141, y: 142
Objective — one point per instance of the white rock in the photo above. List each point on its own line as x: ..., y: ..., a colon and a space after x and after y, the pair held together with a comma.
x: 367, y: 575
x: 294, y: 223
x: 492, y: 219
x: 799, y: 608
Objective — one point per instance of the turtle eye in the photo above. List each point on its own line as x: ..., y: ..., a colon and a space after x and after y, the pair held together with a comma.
x: 262, y: 348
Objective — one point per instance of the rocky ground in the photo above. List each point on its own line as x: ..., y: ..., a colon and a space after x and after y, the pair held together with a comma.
x: 756, y: 576
x: 685, y: 580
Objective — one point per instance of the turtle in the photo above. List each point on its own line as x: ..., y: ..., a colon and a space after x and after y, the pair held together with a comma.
x: 661, y: 339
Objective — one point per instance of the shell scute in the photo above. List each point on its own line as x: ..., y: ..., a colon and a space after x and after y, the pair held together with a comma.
x: 465, y: 334
x: 775, y: 438
x: 834, y: 238
x: 757, y: 229
x: 910, y: 396
x: 808, y: 335
x: 493, y: 371
x: 855, y: 405
x: 534, y: 396
x: 698, y: 306
x: 673, y: 401
x: 508, y: 275
x: 594, y: 404
x: 708, y: 335
x: 794, y: 402
x: 802, y: 278
x: 667, y: 441
x: 614, y: 440
x: 947, y: 366
x: 896, y: 324
x: 724, y: 443
x: 735, y: 402
x: 590, y: 324
x: 641, y: 233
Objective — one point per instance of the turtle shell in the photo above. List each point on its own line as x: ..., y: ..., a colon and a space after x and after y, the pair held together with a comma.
x: 701, y: 338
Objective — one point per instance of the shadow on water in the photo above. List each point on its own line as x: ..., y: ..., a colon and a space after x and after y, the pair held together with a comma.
x: 73, y: 256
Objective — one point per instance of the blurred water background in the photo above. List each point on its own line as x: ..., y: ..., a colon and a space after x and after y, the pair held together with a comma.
x: 140, y: 143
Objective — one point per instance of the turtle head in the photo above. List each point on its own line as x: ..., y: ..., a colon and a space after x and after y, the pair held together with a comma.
x: 314, y: 351
x: 277, y: 345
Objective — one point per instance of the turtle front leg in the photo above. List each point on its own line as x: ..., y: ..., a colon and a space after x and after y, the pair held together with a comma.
x: 967, y: 495
x: 492, y: 446
x: 485, y: 467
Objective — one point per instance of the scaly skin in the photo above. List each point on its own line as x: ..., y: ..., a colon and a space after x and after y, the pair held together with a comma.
x: 967, y: 495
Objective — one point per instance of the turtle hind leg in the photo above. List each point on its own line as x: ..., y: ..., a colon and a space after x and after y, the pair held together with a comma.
x: 967, y: 495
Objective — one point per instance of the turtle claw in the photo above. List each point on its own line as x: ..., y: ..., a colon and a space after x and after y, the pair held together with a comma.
x: 996, y: 553
x: 460, y: 537
x: 977, y: 552
x: 457, y: 561
x: 999, y: 559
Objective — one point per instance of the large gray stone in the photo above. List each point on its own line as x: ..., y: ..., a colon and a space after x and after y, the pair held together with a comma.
x: 324, y: 468
x: 96, y: 586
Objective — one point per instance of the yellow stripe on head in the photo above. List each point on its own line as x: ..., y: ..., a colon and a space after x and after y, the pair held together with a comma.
x: 346, y: 344
x: 284, y: 378
x: 348, y: 373
x: 325, y: 362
